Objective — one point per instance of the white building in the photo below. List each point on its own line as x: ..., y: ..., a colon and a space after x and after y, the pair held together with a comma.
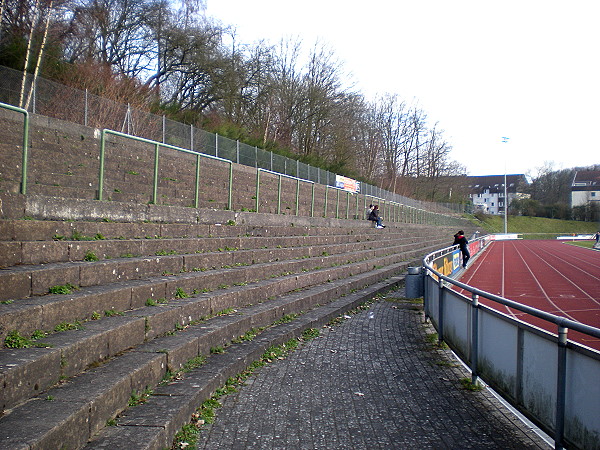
x: 585, y: 187
x: 487, y: 192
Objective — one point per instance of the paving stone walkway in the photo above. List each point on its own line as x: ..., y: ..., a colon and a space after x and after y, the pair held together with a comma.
x: 372, y: 382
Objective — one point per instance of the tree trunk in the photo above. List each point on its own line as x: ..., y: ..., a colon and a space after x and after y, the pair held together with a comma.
x: 41, y: 53
x: 28, y: 55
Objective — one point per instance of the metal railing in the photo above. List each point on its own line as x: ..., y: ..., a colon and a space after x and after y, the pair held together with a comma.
x: 553, y: 381
x: 51, y: 99
x: 393, y: 211
x: 157, y: 147
x: 25, y: 158
x: 279, y: 190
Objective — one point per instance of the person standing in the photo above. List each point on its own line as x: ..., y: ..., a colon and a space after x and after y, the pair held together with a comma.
x: 461, y: 241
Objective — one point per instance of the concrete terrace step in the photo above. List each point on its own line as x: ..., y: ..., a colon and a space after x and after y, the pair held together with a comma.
x: 44, y: 312
x: 188, y: 255
x: 170, y: 284
x: 70, y: 414
x: 59, y: 250
x: 43, y: 242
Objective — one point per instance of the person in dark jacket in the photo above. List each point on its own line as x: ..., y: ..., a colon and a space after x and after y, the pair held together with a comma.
x: 374, y: 217
x: 461, y: 241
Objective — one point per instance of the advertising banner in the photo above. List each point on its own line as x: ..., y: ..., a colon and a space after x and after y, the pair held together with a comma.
x: 447, y: 264
x: 451, y: 262
x: 347, y: 184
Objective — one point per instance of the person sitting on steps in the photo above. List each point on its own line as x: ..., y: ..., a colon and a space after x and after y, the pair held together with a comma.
x: 374, y: 217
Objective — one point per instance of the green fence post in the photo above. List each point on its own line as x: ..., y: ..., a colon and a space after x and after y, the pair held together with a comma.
x: 347, y: 205
x: 25, y: 153
x: 297, y: 197
x: 257, y: 189
x: 155, y: 186
x: 279, y: 194
x: 101, y: 171
x: 230, y: 198
x: 197, y: 188
x: 25, y: 156
x: 312, y: 201
x: 326, y: 192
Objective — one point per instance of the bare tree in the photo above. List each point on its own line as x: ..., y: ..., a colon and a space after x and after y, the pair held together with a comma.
x: 117, y: 32
x: 28, y: 54
x: 40, y: 55
x: 286, y: 99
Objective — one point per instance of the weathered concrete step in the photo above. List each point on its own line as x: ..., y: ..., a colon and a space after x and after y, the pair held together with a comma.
x: 153, y: 425
x: 46, y: 230
x: 88, y: 193
x: 63, y: 249
x: 29, y: 280
x: 76, y: 411
x: 61, y: 209
x: 73, y: 351
x: 45, y: 312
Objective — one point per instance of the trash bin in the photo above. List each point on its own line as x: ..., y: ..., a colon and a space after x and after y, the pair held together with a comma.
x: 414, y: 282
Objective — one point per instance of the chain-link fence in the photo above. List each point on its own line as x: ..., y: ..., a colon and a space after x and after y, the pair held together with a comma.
x: 62, y: 102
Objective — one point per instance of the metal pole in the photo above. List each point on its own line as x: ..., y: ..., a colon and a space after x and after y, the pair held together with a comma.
x: 297, y: 197
x: 504, y: 141
x: 197, y: 189
x: 257, y: 187
x: 102, y: 156
x: 505, y: 205
x: 561, y: 382
x: 426, y: 293
x: 155, y: 183
x: 230, y: 199
x: 440, y: 311
x: 347, y: 204
x: 474, y: 337
x: 279, y: 194
x: 85, y: 109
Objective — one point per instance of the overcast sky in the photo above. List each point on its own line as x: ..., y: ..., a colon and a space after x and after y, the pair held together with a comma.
x: 525, y: 69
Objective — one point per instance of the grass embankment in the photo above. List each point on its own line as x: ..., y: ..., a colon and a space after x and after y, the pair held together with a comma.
x: 536, y: 227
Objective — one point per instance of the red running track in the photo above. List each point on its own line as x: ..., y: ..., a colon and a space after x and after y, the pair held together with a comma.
x: 552, y: 276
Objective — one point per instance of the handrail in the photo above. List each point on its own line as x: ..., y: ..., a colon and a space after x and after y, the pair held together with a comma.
x: 25, y: 158
x: 557, y: 320
x: 157, y: 146
x: 472, y: 348
x: 279, y: 189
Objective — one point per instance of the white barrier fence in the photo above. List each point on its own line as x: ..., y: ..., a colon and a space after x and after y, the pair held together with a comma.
x: 551, y: 380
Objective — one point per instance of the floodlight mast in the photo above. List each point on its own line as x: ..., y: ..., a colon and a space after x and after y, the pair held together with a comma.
x: 504, y: 141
